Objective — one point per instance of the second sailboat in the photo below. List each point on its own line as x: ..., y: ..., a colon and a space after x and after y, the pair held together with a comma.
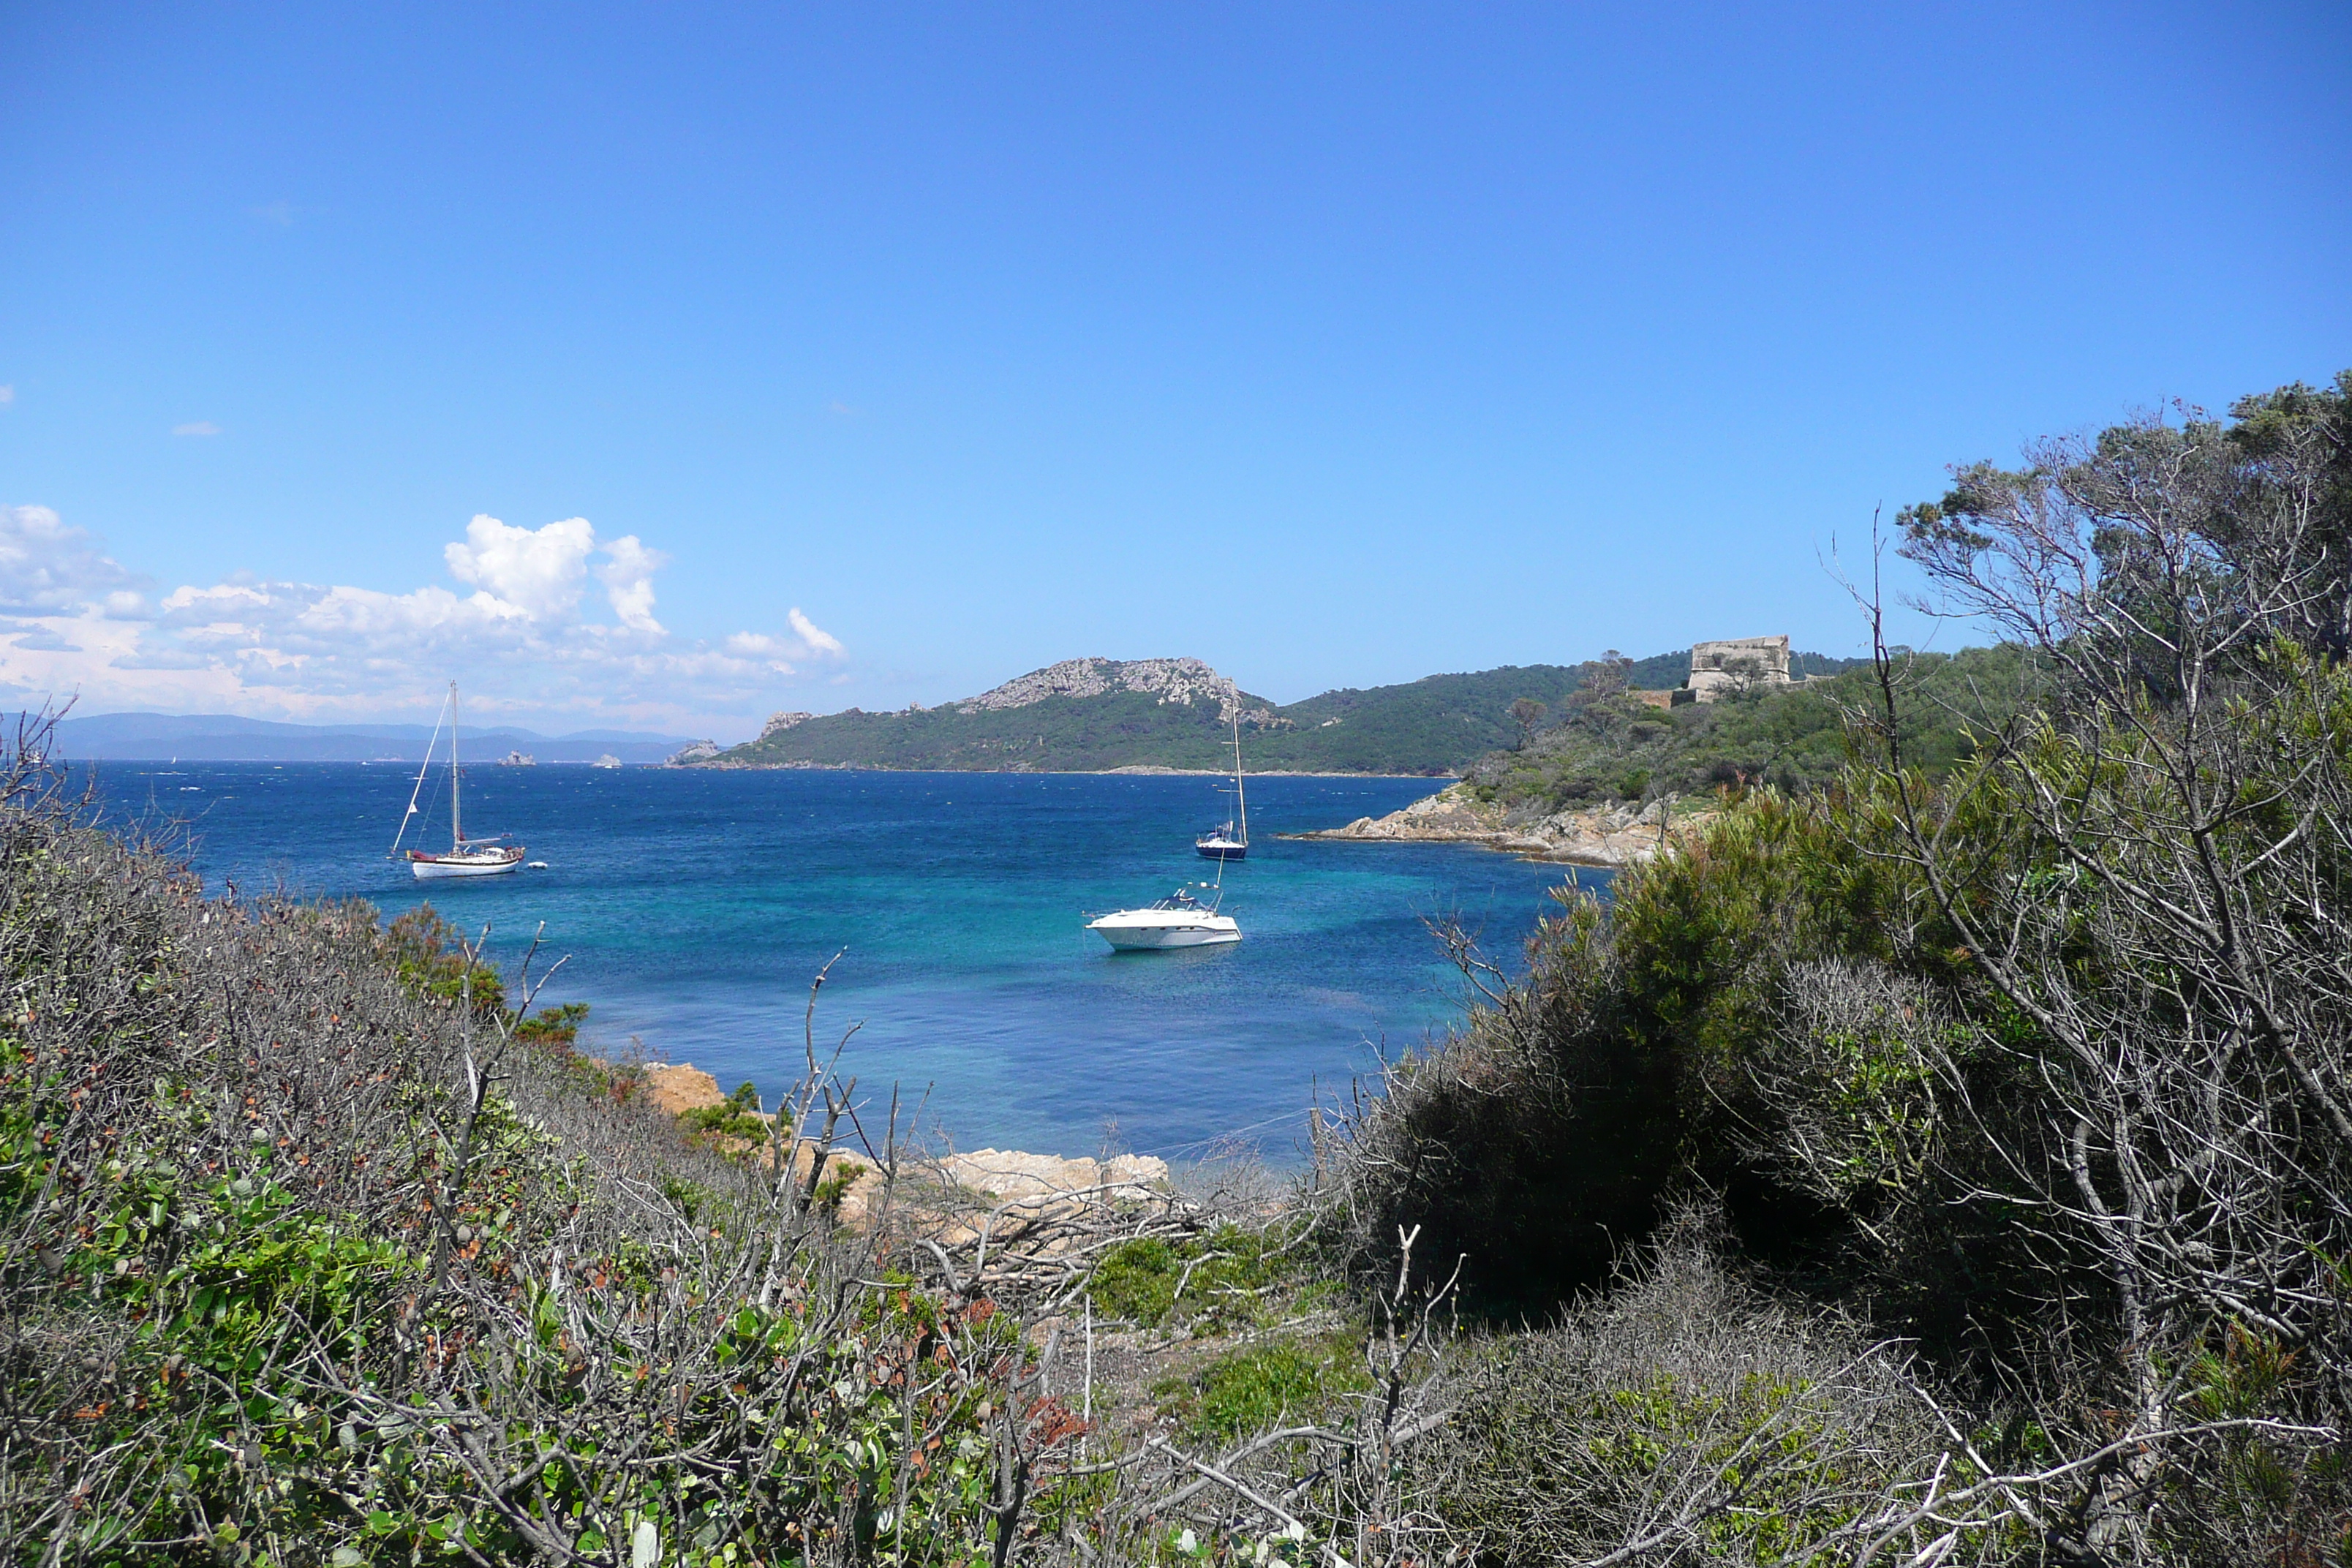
x: 1231, y: 841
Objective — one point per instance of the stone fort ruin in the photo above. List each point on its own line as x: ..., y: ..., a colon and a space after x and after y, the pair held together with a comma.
x: 1736, y: 665
x: 1726, y: 668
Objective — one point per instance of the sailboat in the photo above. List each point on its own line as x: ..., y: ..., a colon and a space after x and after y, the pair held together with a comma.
x: 1229, y: 842
x: 466, y: 857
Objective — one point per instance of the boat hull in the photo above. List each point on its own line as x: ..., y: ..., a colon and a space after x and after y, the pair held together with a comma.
x: 1214, y: 849
x: 435, y: 867
x: 1139, y: 932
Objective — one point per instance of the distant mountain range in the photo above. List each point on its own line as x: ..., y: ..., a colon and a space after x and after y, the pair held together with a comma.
x: 223, y: 738
x: 1092, y: 714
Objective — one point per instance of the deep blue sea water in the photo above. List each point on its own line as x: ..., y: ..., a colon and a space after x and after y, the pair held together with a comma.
x: 695, y: 906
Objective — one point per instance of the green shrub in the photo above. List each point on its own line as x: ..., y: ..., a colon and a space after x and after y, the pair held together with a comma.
x: 737, y: 1116
x: 1262, y: 1386
x: 426, y: 952
x: 1635, y: 1058
x: 1684, y: 1394
x: 1212, y: 1283
x: 834, y: 1188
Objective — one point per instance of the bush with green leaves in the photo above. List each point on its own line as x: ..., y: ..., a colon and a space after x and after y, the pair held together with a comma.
x: 309, y: 1260
x: 1265, y: 1385
x: 2031, y: 1049
x: 1686, y: 1405
x: 1212, y: 1283
x: 737, y: 1116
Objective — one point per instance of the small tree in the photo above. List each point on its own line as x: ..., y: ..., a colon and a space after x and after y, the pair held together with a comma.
x: 1527, y: 712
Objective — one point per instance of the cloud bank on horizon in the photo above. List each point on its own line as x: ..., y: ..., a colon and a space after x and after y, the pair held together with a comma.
x: 75, y: 622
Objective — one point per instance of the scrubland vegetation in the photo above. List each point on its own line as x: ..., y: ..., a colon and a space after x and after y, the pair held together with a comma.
x: 1947, y: 1158
x: 1601, y: 744
x: 2006, y: 1081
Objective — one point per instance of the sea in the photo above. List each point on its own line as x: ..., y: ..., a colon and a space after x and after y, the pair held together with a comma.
x: 691, y: 909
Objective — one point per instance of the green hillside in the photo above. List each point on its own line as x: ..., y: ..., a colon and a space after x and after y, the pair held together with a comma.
x: 1603, y: 746
x: 1057, y: 734
x: 1436, y: 725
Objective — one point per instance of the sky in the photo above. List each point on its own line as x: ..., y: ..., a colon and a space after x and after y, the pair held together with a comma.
x: 664, y: 366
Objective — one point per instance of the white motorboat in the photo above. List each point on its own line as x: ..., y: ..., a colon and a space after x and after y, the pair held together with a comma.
x: 1230, y: 841
x: 489, y: 856
x: 1179, y: 919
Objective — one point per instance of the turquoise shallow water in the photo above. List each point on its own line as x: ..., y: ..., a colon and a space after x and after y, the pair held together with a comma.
x: 696, y: 906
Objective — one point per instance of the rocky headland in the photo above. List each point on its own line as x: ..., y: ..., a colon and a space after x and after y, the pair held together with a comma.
x: 1613, y: 834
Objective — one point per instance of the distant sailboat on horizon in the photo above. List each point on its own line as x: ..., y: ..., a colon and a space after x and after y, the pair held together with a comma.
x: 487, y: 857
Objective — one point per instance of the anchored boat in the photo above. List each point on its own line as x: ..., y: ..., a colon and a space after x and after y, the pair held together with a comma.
x: 1180, y: 919
x: 487, y: 857
x: 1231, y: 841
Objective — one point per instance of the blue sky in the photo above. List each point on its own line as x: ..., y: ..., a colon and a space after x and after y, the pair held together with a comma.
x: 889, y: 353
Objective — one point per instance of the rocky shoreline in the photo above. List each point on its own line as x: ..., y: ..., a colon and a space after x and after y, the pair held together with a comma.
x: 1145, y: 768
x: 1613, y: 835
x: 1040, y: 1186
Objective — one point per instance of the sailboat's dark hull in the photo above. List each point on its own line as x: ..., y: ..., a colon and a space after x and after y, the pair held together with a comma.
x: 1212, y: 849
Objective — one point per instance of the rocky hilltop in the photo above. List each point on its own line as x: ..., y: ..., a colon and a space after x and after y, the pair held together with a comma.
x: 779, y: 722
x: 1188, y: 682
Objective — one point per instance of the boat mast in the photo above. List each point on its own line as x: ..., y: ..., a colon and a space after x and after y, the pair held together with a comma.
x: 456, y: 833
x: 420, y: 786
x: 1239, y: 794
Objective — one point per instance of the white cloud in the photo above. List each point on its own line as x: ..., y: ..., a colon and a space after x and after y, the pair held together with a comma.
x: 46, y: 565
x: 8, y: 395
x: 760, y: 647
x: 817, y: 639
x: 627, y: 574
x: 514, y: 629
x: 539, y: 571
x: 200, y: 427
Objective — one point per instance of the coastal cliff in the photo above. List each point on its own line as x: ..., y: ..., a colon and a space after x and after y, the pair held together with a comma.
x: 1612, y: 835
